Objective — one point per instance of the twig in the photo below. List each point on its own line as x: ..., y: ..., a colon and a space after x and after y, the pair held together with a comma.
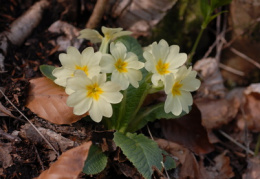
x: 150, y: 132
x: 242, y: 55
x: 9, y: 137
x: 21, y: 28
x: 97, y: 14
x: 235, y: 142
x: 231, y: 70
x: 29, y: 122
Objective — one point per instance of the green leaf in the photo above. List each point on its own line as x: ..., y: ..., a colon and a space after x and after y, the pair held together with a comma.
x: 205, y: 8
x: 152, y: 113
x: 169, y: 162
x: 214, y: 16
x: 143, y: 152
x: 47, y: 71
x: 96, y: 161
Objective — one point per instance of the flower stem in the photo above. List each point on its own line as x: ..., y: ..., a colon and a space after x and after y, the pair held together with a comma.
x: 135, y: 124
x: 195, y: 44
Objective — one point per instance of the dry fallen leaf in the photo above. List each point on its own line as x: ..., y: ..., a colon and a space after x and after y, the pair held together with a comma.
x: 48, y: 101
x: 5, y: 157
x: 221, y: 169
x: 189, y: 165
x: 217, y: 112
x: 57, y: 140
x: 188, y: 131
x: 69, y: 165
x: 253, y: 169
x: 251, y: 106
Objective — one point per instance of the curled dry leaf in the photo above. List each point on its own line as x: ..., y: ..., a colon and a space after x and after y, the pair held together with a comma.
x: 212, y: 85
x: 221, y: 169
x: 48, y: 101
x: 188, y: 131
x: 69, y: 165
x: 217, y: 112
x: 189, y: 165
x: 250, y: 107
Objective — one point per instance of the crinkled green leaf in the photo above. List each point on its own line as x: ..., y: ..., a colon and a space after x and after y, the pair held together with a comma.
x: 47, y: 71
x: 143, y: 152
x: 96, y: 161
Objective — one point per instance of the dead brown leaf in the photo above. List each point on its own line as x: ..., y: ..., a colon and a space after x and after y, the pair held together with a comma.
x: 189, y: 165
x: 69, y: 165
x: 5, y: 157
x: 221, y: 169
x: 217, y: 112
x: 188, y: 131
x: 48, y: 101
x: 253, y: 169
x: 59, y: 142
x: 251, y: 113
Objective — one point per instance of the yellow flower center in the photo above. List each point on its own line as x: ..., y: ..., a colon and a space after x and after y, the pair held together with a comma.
x: 162, y: 68
x: 121, y: 66
x: 83, y: 68
x: 176, y: 89
x: 94, y: 91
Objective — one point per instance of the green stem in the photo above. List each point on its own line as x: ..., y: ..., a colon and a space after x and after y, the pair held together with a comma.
x: 257, y: 145
x: 135, y: 124
x: 104, y: 46
x: 196, y: 44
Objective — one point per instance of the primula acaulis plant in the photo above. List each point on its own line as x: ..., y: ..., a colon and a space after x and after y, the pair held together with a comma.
x: 112, y: 84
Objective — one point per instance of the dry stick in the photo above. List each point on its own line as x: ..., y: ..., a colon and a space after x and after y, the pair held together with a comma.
x: 30, y: 122
x: 242, y: 55
x: 232, y: 70
x: 97, y: 14
x: 21, y: 28
x: 235, y: 142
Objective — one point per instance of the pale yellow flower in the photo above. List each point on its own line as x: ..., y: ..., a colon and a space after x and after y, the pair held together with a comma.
x: 110, y: 34
x: 93, y: 95
x: 123, y: 65
x: 178, y: 87
x: 162, y: 60
x: 88, y: 62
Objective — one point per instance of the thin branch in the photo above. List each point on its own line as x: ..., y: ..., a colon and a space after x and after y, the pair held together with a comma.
x: 30, y: 123
x: 242, y: 55
x: 97, y: 14
x: 231, y: 70
x: 235, y: 142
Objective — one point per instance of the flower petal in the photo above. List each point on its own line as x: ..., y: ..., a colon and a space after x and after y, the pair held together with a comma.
x: 92, y: 35
x: 107, y: 63
x: 94, y: 112
x: 105, y: 108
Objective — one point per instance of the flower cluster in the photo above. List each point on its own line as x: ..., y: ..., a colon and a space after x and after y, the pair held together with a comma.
x: 166, y: 65
x: 94, y: 80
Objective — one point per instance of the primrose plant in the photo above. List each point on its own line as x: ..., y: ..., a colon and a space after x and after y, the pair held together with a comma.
x: 112, y: 84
